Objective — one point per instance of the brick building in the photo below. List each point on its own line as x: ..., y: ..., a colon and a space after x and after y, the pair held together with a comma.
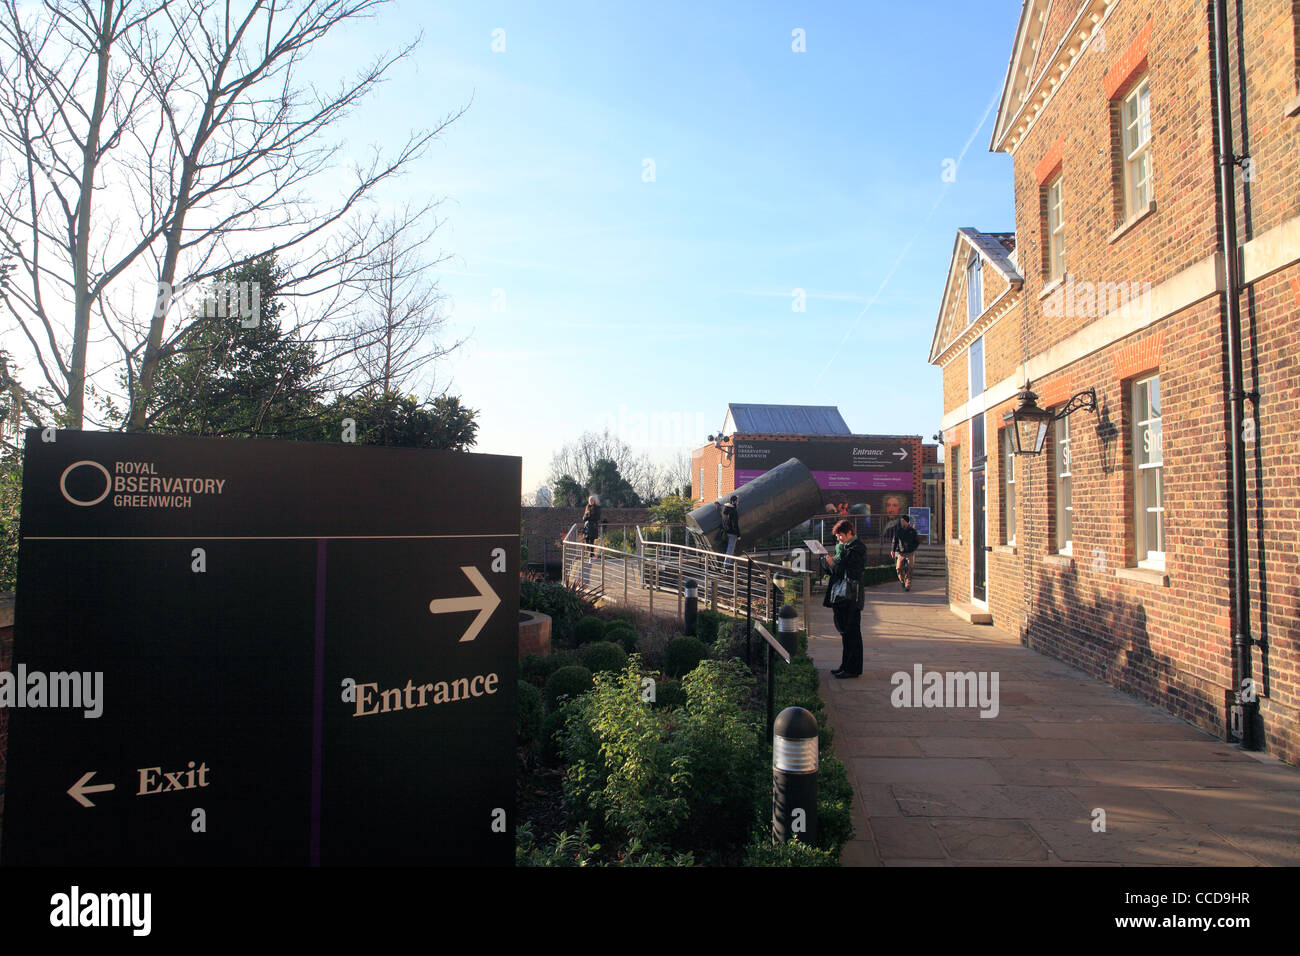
x: 1113, y: 549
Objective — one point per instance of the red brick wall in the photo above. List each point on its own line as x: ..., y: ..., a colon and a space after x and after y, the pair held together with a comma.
x: 1170, y: 644
x: 709, y: 458
x: 550, y: 525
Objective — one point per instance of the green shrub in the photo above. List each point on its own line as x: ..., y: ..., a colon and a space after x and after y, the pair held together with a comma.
x: 730, y: 642
x: 564, y: 606
x: 550, y: 746
x: 669, y: 694
x: 682, y: 655
x: 763, y: 852
x: 576, y: 849
x: 528, y: 717
x: 623, y: 633
x: 603, y: 656
x: 537, y: 669
x: 651, y: 646
x: 589, y: 629
x: 796, y: 686
x: 571, y: 682
x: 834, y: 805
x: 706, y: 625
x: 879, y: 574
x: 620, y: 539
x: 685, y: 779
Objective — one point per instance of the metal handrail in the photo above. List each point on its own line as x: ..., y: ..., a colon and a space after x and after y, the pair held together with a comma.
x: 780, y: 568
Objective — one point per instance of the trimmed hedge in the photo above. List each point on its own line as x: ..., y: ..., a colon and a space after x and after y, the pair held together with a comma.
x: 763, y: 852
x: 529, y: 716
x: 537, y: 669
x: 669, y: 694
x: 568, y: 682
x: 562, y: 605
x: 683, y: 654
x: 879, y: 574
x: 623, y: 633
x: 589, y: 630
x: 706, y: 625
x: 549, y: 747
x: 603, y: 656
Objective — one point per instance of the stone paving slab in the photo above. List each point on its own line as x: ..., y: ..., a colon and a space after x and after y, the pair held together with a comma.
x: 943, y: 786
x: 990, y: 840
x: 1271, y: 845
x: 1147, y: 844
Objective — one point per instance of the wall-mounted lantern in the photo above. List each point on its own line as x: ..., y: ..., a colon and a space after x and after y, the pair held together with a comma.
x: 1030, y: 421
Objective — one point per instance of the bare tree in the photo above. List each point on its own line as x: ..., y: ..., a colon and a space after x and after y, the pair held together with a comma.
x: 158, y: 143
x: 649, y: 480
x: 393, y: 338
x: 578, y: 458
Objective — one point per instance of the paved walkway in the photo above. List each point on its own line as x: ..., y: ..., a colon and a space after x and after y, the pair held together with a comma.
x: 944, y: 787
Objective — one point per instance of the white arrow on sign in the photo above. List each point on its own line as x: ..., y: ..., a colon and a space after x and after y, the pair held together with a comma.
x: 901, y: 454
x: 485, y: 602
x: 79, y: 789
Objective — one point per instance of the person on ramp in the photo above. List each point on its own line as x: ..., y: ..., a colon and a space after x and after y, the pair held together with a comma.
x: 906, y: 541
x: 845, y: 596
x: 731, y: 523
x: 591, y: 520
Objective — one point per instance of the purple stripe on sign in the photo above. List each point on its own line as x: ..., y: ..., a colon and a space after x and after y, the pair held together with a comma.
x: 864, y: 480
x: 318, y: 703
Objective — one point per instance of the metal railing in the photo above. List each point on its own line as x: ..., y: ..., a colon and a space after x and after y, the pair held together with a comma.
x: 654, y: 577
x: 875, y: 532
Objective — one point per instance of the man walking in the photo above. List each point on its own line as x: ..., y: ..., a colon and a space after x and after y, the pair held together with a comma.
x: 731, y: 523
x: 906, y: 541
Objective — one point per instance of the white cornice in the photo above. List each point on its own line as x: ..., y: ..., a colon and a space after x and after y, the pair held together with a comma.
x: 997, y: 308
x: 956, y: 284
x: 1175, y: 294
x: 1020, y: 117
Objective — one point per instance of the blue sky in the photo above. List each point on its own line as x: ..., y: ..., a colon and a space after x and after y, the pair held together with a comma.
x: 593, y: 297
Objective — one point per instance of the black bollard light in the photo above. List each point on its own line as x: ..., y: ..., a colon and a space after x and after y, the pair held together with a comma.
x: 795, y: 764
x: 692, y: 604
x: 787, y: 626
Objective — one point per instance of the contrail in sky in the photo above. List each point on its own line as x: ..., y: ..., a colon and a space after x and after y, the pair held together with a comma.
x: 943, y: 191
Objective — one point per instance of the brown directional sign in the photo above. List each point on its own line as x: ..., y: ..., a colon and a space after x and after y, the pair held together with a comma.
x: 262, y: 652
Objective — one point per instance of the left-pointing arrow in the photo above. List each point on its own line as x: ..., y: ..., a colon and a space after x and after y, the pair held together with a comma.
x: 79, y: 789
x: 485, y: 602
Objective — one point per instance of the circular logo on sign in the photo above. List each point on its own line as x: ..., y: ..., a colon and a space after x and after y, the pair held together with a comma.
x: 63, y: 483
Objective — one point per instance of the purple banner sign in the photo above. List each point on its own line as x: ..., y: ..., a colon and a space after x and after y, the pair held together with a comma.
x: 846, y: 480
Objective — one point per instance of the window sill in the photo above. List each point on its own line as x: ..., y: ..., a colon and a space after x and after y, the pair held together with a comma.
x: 1143, y: 576
x: 1051, y: 287
x: 1004, y: 549
x: 1133, y: 221
x: 1292, y: 108
x: 1062, y: 561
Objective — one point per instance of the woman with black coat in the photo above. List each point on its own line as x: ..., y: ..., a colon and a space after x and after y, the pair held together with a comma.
x: 846, y: 600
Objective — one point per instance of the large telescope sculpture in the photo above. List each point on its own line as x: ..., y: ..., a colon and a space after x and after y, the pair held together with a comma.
x: 773, y: 502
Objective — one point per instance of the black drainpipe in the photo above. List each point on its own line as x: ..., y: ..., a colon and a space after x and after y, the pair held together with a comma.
x: 1241, y: 639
